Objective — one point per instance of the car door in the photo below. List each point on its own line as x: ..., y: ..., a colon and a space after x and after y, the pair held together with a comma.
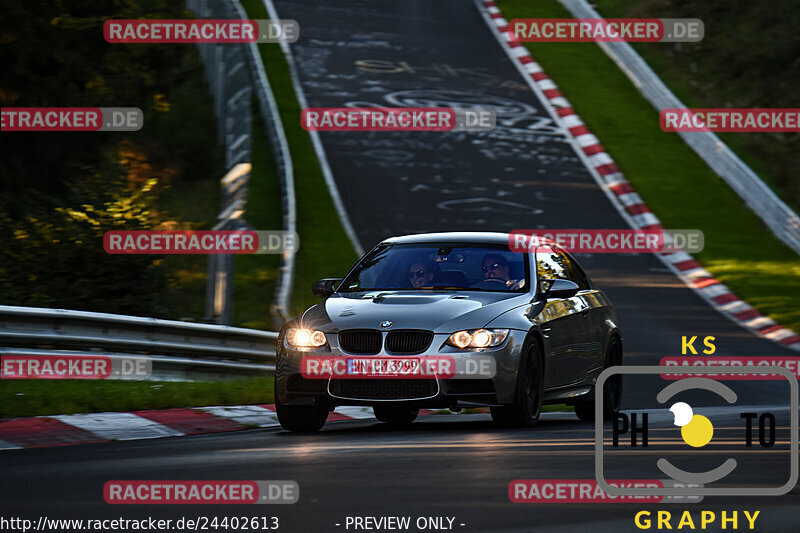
x: 594, y: 307
x: 565, y: 322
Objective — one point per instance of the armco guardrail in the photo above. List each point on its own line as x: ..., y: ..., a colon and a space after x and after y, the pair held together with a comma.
x: 233, y: 72
x: 283, y: 160
x: 231, y: 87
x: 783, y: 222
x: 217, y: 349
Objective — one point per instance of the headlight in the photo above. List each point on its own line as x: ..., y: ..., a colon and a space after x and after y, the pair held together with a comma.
x: 305, y: 338
x: 477, y: 338
x: 460, y: 339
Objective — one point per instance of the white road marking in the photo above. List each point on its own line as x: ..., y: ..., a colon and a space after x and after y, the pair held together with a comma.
x: 8, y: 446
x: 119, y: 426
x: 249, y: 415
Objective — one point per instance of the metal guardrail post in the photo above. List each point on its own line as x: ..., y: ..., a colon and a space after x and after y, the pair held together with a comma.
x: 231, y: 89
x: 271, y: 118
x: 233, y: 71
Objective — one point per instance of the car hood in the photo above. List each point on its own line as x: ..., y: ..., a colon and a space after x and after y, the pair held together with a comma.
x: 437, y: 311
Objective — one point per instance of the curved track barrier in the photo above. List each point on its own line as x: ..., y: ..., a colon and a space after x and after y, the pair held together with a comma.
x: 178, y: 350
x: 780, y: 219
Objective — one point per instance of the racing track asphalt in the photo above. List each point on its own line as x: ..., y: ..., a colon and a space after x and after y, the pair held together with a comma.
x: 524, y: 175
x: 442, y: 466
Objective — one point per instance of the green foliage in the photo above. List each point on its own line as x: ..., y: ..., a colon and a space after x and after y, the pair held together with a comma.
x: 749, y: 57
x: 54, y: 54
x: 56, y: 258
x: 62, y: 190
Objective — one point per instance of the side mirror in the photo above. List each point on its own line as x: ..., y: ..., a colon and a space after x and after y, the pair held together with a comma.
x: 560, y: 288
x: 325, y: 287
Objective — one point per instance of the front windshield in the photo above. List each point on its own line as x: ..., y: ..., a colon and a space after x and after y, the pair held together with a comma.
x: 457, y: 266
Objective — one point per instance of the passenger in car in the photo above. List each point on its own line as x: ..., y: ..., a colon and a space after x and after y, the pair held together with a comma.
x: 421, y: 272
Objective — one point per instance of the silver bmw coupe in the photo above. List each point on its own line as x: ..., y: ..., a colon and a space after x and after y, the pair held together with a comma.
x: 448, y: 321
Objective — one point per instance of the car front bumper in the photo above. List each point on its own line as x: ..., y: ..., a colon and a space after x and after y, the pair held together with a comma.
x: 493, y: 387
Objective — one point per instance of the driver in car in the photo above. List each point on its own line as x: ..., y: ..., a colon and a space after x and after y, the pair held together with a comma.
x: 421, y: 273
x: 496, y: 268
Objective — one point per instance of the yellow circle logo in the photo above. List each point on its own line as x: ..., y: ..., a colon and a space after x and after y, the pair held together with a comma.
x: 696, y: 430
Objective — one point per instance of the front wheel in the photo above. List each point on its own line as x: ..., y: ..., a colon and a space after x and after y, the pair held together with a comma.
x: 395, y: 415
x: 300, y: 418
x: 527, y: 406
x: 612, y: 393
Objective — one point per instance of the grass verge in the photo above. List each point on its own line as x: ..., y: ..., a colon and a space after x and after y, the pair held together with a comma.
x: 695, y: 75
x: 674, y: 182
x: 255, y: 276
x: 19, y: 398
x: 325, y: 250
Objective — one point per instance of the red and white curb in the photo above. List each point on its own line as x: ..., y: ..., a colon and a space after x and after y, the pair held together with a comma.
x: 63, y: 430
x: 624, y: 197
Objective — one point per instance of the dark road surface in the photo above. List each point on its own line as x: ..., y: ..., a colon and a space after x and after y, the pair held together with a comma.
x: 525, y: 175
x: 522, y: 175
x: 443, y: 466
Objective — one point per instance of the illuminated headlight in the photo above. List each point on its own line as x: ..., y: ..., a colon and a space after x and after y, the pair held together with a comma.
x: 477, y: 338
x: 460, y: 339
x: 305, y: 338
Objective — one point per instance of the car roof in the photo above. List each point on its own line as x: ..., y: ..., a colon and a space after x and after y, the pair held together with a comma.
x: 452, y: 236
x: 458, y: 236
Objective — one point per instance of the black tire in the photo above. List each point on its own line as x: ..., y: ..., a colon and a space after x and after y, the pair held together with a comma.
x: 396, y: 415
x: 585, y: 411
x: 527, y: 406
x: 612, y: 395
x: 300, y: 418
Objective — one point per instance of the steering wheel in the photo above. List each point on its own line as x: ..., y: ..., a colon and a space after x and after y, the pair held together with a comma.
x: 490, y: 284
